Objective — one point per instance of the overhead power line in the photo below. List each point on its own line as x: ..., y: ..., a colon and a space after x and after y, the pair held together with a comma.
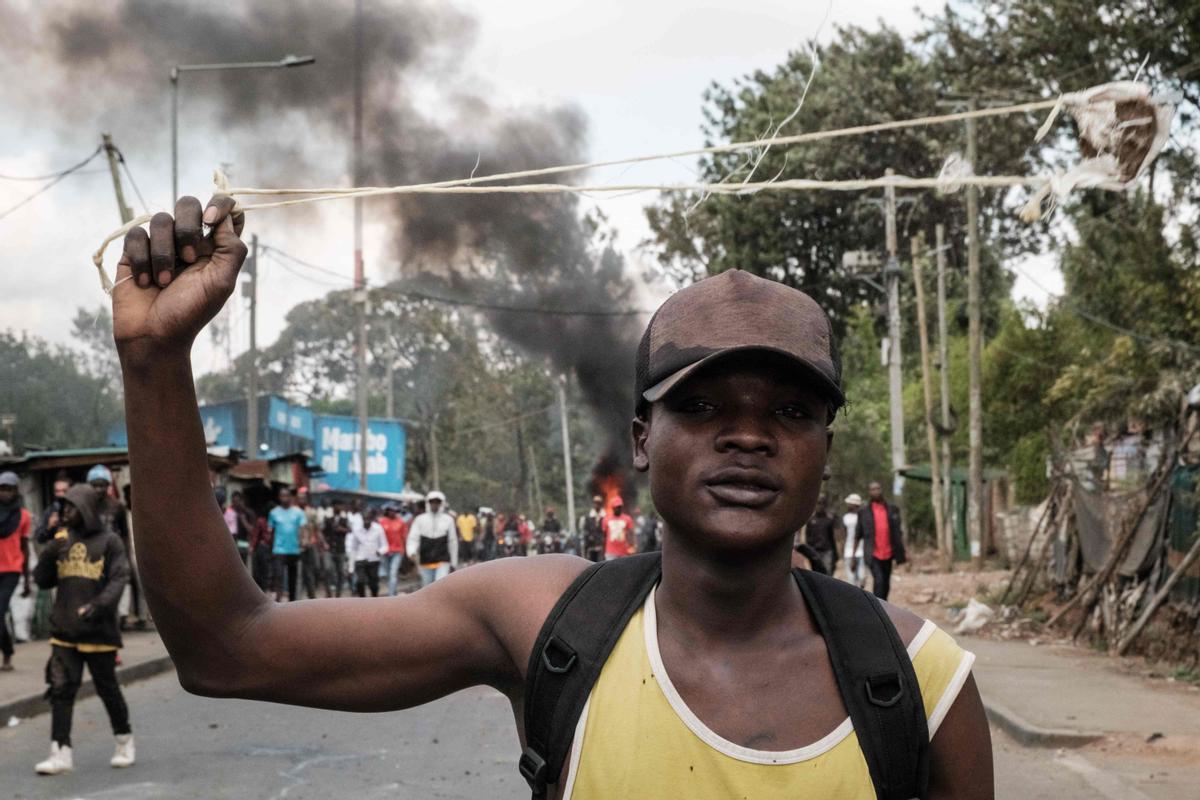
x: 51, y: 183
x: 453, y: 301
x: 50, y: 175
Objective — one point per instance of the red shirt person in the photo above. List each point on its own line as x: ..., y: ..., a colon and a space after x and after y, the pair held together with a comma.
x: 618, y: 534
x: 15, y: 526
x: 879, y: 528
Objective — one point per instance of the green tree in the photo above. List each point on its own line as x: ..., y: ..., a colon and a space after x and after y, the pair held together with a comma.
x: 56, y: 401
x: 800, y: 237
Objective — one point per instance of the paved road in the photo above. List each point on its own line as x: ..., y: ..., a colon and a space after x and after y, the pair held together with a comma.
x: 461, y: 747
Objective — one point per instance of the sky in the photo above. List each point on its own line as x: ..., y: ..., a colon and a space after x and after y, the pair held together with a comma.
x: 637, y: 70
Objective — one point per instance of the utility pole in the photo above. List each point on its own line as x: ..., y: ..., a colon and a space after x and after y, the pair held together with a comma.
x: 252, y: 378
x: 975, y: 355
x: 944, y: 358
x: 433, y: 452
x: 891, y: 273
x: 360, y: 292
x: 537, y: 483
x: 935, y: 476
x: 566, y: 443
x: 114, y: 158
x: 391, y: 373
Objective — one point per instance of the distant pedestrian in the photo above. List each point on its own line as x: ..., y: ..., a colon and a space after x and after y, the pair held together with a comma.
x: 15, y: 526
x: 883, y: 542
x: 262, y: 559
x: 619, y: 535
x: 396, y: 531
x: 312, y: 545
x: 285, y: 521
x: 468, y: 526
x: 115, y: 519
x: 365, y: 547
x: 51, y: 519
x: 244, y: 520
x: 647, y: 532
x: 432, y: 540
x: 88, y: 566
x: 337, y: 528
x: 852, y: 553
x: 820, y: 534
x: 549, y: 539
x: 591, y: 530
x: 487, y: 535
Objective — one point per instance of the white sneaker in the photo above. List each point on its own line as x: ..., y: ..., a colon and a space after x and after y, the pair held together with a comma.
x: 123, y: 755
x: 60, y: 761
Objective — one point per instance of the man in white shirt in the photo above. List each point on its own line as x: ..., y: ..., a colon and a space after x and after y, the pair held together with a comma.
x: 364, y: 548
x: 852, y: 554
x: 433, y: 541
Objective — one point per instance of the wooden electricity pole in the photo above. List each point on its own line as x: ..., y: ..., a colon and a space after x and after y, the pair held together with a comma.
x: 891, y: 274
x: 114, y: 159
x: 944, y: 358
x: 975, y: 519
x: 935, y: 477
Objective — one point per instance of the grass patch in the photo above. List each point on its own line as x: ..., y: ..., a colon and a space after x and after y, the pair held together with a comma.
x: 1187, y: 675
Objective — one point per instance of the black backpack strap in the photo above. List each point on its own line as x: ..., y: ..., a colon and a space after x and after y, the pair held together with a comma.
x: 570, y: 651
x: 877, y: 682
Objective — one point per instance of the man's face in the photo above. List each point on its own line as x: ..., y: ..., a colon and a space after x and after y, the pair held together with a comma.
x: 875, y: 490
x: 7, y: 494
x: 618, y: 509
x: 101, y: 488
x: 60, y: 488
x: 597, y: 503
x: 736, y: 453
x: 285, y: 498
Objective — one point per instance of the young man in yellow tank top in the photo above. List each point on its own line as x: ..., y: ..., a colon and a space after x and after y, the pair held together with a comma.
x: 720, y: 686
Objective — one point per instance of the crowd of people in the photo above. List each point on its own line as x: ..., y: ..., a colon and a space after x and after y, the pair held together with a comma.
x: 329, y: 546
x: 871, y: 539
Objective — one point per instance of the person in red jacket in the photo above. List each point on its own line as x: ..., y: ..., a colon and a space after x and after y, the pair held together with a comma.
x: 396, y: 531
x: 618, y: 534
x: 15, y: 523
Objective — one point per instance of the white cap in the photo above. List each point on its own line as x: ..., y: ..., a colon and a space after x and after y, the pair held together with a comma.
x: 435, y: 495
x: 854, y: 500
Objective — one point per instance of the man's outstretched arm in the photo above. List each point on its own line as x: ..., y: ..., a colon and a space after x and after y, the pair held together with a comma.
x: 226, y: 637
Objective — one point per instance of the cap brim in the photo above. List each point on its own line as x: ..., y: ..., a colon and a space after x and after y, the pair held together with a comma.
x: 661, y: 389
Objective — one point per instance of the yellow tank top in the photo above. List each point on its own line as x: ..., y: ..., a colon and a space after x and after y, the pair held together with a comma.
x: 636, y: 738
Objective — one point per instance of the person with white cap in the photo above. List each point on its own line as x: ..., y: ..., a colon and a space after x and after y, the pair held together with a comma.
x: 856, y: 569
x: 432, y: 540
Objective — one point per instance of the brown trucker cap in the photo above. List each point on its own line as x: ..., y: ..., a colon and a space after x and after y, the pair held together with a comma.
x: 732, y: 312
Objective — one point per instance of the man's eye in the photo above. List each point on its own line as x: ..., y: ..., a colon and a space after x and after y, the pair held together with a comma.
x: 696, y: 406
x: 794, y: 411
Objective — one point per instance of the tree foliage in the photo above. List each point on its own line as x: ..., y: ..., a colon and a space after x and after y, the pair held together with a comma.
x: 56, y: 400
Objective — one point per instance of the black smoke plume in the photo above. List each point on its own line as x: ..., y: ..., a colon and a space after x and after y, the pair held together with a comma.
x: 505, y: 250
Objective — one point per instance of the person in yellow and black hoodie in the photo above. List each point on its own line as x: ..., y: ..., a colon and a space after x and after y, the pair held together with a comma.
x: 89, y: 567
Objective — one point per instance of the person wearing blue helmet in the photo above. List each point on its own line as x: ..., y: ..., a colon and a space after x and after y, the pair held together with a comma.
x: 115, y: 519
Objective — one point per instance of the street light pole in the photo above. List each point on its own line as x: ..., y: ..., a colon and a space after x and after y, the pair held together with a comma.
x: 283, y: 63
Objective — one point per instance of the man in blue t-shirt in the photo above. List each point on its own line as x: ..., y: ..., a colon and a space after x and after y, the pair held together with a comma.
x: 285, y: 521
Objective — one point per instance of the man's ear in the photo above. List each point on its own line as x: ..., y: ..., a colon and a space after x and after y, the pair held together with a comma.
x: 640, y: 430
